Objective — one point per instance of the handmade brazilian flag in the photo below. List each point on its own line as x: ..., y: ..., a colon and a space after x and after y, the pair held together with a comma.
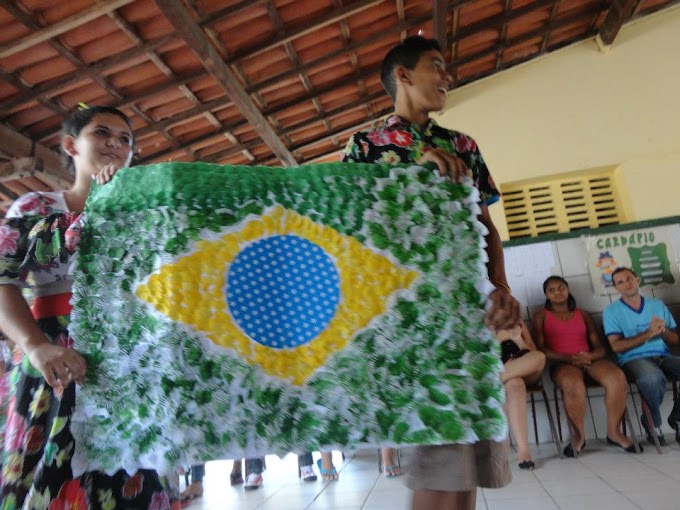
x: 237, y: 311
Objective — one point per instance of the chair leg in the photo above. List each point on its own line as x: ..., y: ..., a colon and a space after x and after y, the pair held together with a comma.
x: 380, y: 466
x: 551, y: 421
x: 592, y: 416
x: 557, y: 413
x: 626, y: 420
x: 648, y: 416
x: 637, y: 414
x: 533, y: 414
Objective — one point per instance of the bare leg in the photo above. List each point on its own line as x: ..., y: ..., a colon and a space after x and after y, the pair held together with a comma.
x: 616, y: 393
x: 529, y: 367
x: 442, y: 500
x: 328, y: 471
x: 570, y: 380
x: 390, y: 468
x: 516, y: 411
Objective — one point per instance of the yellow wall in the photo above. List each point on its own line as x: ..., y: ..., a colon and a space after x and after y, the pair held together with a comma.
x: 579, y: 108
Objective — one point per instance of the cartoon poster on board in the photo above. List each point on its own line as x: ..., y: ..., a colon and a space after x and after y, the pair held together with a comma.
x: 651, y: 252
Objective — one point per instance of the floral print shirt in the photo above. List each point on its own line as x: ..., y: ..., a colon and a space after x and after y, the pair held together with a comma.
x: 399, y: 141
x: 38, y: 238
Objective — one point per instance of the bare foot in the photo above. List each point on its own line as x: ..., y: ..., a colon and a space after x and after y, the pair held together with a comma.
x: 194, y: 490
x: 390, y: 469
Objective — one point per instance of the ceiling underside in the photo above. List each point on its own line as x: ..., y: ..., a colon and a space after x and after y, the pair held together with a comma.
x: 272, y: 82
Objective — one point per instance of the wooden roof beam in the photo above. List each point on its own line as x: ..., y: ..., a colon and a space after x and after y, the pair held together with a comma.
x: 337, y: 53
x: 493, y: 22
x: 619, y: 13
x: 198, y: 42
x: 52, y: 87
x: 44, y: 160
x: 56, y: 29
x: 142, y: 96
x: 8, y: 193
x: 539, y: 32
x: 504, y: 33
x: 481, y: 54
x: 439, y: 13
x: 336, y: 15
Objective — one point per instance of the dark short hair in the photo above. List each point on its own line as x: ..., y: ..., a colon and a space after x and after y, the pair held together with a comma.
x: 406, y: 54
x: 82, y: 116
x: 621, y: 270
x: 571, y: 302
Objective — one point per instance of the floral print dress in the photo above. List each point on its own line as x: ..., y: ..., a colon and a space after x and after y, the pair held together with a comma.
x: 38, y: 240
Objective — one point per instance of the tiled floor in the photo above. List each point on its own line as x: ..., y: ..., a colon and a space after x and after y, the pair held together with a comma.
x: 602, y: 478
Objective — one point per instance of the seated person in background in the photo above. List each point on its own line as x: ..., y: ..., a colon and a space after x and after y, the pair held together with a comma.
x: 306, y: 468
x: 195, y: 487
x: 640, y: 329
x: 522, y: 364
x: 254, y: 470
x: 570, y: 341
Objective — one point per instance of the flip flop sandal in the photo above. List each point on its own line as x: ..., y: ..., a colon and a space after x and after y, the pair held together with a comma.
x: 327, y: 474
x: 389, y: 471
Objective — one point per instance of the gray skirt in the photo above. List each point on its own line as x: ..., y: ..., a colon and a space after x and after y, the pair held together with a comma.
x: 457, y: 467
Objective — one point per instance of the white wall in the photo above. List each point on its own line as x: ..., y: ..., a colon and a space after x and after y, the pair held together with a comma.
x: 578, y: 109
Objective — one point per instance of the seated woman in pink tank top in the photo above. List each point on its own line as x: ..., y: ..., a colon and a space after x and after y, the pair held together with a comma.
x: 570, y: 341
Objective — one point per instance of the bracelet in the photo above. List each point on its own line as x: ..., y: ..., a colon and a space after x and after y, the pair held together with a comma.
x: 502, y: 286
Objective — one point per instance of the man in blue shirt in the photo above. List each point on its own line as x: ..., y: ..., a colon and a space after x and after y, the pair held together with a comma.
x: 640, y: 329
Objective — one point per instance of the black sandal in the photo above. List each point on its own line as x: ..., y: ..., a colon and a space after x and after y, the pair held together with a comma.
x: 236, y: 478
x: 570, y: 452
x: 629, y: 449
x: 527, y: 464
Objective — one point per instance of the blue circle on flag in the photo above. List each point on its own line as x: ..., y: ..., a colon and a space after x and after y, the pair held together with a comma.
x: 283, y: 291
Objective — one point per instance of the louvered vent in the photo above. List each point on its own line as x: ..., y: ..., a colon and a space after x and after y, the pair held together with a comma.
x: 561, y: 205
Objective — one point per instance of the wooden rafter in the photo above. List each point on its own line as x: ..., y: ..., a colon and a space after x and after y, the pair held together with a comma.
x: 554, y: 25
x: 553, y: 13
x: 455, y: 24
x: 293, y: 56
x: 402, y: 17
x: 495, y: 22
x: 439, y: 14
x: 43, y: 159
x: 504, y: 32
x: 76, y: 20
x: 142, y: 96
x: 354, y: 60
x: 226, y: 12
x: 51, y: 88
x: 306, y: 119
x: 335, y: 15
x: 619, y: 13
x: 351, y: 47
x: 539, y: 32
x: 198, y: 42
